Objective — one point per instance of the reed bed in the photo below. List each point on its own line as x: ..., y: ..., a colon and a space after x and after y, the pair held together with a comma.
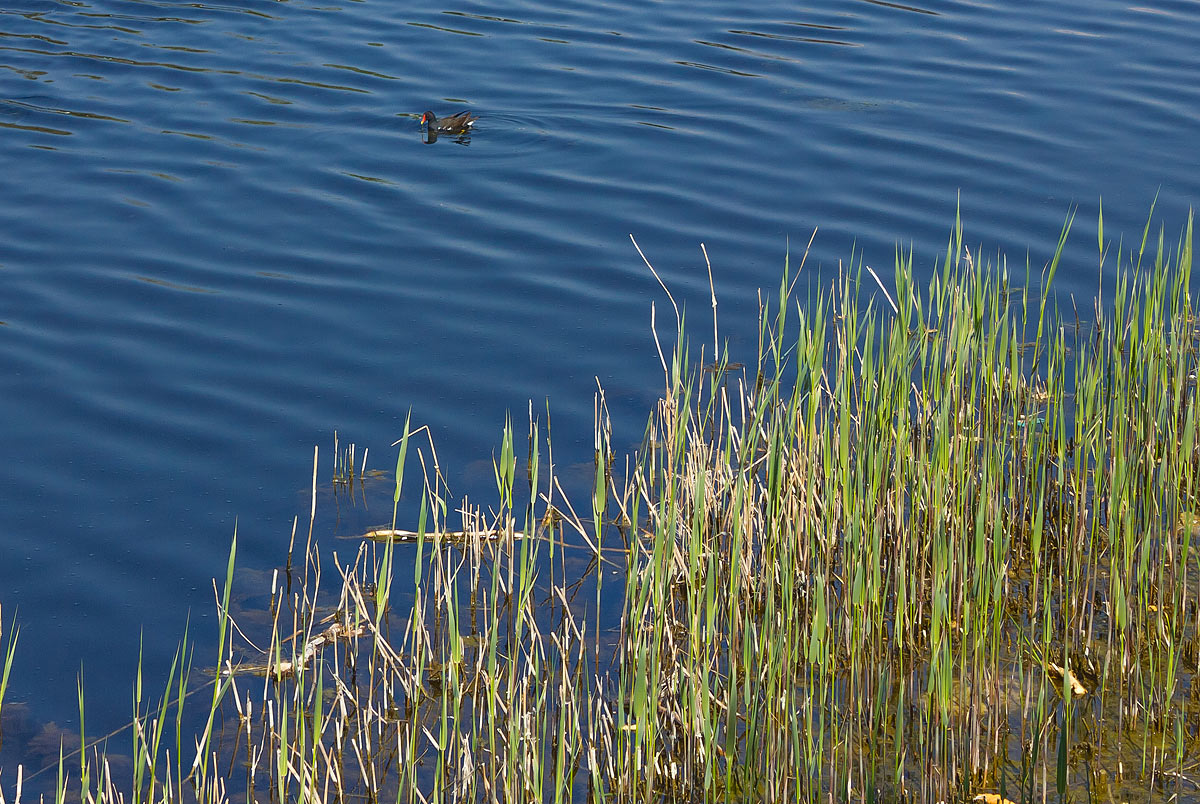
x: 935, y: 545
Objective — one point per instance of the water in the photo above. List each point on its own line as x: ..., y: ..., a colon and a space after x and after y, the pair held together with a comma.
x: 222, y: 238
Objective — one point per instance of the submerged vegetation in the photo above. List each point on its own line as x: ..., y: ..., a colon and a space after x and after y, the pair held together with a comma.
x: 936, y: 545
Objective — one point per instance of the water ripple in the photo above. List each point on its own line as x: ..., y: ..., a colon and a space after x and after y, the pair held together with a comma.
x: 228, y: 236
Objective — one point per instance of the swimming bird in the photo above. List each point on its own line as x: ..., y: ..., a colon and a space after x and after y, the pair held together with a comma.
x: 454, y: 124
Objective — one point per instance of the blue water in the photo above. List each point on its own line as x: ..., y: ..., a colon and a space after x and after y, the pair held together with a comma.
x: 222, y: 238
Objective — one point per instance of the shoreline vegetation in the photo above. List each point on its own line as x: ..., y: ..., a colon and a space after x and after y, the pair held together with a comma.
x: 936, y: 545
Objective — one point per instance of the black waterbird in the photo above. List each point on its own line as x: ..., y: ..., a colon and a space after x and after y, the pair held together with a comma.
x: 453, y: 125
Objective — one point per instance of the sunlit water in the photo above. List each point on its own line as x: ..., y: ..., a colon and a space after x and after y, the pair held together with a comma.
x: 222, y: 238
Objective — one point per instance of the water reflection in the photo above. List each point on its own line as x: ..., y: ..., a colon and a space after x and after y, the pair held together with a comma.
x: 429, y: 137
x: 811, y: 40
x: 444, y: 29
x: 902, y: 7
x: 716, y: 69
x: 743, y: 51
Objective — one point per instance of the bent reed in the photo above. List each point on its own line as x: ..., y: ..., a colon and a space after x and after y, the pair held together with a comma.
x: 935, y: 546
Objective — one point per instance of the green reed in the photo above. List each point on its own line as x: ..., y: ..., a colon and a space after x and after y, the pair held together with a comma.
x: 944, y: 501
x: 934, y: 543
x: 10, y: 651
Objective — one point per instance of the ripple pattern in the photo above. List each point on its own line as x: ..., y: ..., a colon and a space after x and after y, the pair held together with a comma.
x: 222, y: 237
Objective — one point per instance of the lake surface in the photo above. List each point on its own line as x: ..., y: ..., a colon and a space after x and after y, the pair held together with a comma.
x: 222, y: 238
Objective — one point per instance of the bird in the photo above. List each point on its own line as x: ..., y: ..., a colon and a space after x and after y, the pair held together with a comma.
x: 454, y: 125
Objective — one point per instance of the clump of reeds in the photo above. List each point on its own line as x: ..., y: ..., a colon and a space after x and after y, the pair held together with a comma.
x: 938, y: 544
x: 935, y: 545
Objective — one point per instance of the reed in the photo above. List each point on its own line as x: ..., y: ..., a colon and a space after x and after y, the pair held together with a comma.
x: 934, y: 545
